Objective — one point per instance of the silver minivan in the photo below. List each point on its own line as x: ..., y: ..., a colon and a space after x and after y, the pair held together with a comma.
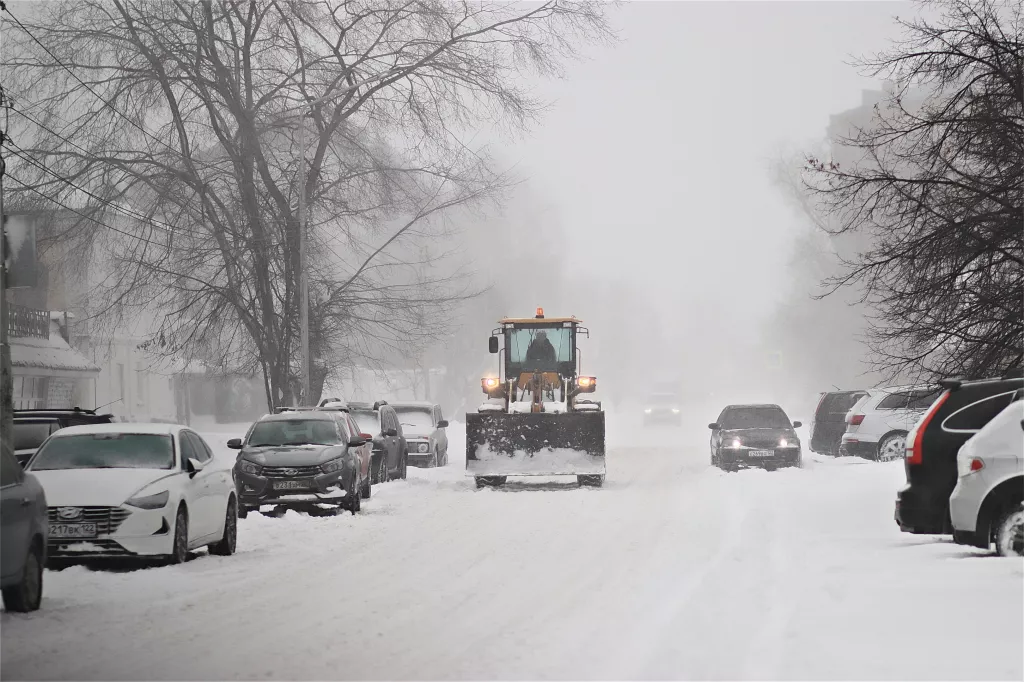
x: 986, y: 505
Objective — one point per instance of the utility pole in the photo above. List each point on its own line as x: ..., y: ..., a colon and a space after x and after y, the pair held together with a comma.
x: 6, y: 370
x: 303, y: 275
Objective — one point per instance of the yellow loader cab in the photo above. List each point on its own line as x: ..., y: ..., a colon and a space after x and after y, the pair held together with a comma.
x: 538, y: 419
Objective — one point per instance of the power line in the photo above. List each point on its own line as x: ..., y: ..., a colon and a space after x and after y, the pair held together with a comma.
x: 87, y: 86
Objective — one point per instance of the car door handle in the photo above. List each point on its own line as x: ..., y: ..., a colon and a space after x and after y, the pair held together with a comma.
x: 26, y: 502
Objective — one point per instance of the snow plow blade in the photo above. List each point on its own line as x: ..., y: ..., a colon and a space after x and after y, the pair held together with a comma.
x: 535, y: 444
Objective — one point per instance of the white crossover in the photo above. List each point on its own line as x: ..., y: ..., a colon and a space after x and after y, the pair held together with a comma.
x: 153, y: 490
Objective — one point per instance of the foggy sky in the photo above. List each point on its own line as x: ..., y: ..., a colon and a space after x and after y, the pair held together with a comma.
x: 654, y: 156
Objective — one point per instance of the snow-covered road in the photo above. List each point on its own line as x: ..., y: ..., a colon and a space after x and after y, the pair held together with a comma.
x: 672, y: 570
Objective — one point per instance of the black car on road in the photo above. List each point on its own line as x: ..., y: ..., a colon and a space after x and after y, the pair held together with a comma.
x: 829, y: 423
x: 390, y: 451
x: 747, y: 436
x: 964, y: 407
x: 424, y: 430
x: 300, y: 460
x: 32, y: 427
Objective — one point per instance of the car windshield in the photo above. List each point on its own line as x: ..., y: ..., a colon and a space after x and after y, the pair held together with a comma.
x: 418, y: 419
x: 294, y: 432
x: 105, y: 451
x: 367, y: 421
x: 30, y: 435
x: 755, y: 418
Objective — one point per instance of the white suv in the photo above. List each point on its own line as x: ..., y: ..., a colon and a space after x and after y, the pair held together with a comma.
x: 877, y: 425
x: 986, y: 504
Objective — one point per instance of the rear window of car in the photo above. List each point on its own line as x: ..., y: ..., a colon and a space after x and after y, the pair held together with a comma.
x: 838, y: 403
x: 105, y: 451
x: 30, y: 435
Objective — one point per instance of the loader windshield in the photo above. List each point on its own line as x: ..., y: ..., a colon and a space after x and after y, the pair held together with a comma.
x: 540, y: 348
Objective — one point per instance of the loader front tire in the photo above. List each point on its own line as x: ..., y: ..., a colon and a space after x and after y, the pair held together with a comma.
x: 591, y: 481
x: 490, y: 481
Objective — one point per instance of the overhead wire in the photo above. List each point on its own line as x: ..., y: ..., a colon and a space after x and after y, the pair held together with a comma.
x: 105, y: 102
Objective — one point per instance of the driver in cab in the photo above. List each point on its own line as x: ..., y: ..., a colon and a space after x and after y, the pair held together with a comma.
x: 541, y: 351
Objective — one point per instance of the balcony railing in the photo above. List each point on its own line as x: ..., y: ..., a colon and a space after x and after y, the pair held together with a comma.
x: 28, y: 322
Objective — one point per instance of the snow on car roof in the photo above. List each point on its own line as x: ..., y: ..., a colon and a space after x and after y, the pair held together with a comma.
x: 298, y: 415
x: 122, y: 427
x: 414, y: 403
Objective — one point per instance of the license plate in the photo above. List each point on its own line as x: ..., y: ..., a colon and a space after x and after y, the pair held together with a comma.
x: 762, y: 453
x: 292, y: 485
x: 72, y: 530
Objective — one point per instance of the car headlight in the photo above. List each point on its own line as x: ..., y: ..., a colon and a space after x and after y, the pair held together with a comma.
x: 248, y: 467
x: 675, y: 410
x: 647, y: 411
x: 423, y: 447
x: 156, y: 501
x: 735, y: 443
x: 333, y: 465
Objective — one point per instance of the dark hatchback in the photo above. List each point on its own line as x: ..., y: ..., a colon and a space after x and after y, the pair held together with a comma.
x: 390, y: 451
x: 964, y: 407
x: 32, y: 427
x: 746, y: 436
x: 829, y: 423
x: 300, y: 460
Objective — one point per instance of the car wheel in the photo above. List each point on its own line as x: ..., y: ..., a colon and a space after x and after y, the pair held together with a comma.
x: 179, y: 551
x: 227, y: 543
x: 243, y: 511
x: 405, y: 466
x: 27, y: 594
x: 383, y: 475
x: 1010, y: 532
x: 354, y: 499
x: 434, y: 462
x: 892, y: 448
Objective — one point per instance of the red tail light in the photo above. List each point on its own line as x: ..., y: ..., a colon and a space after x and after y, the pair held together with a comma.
x: 857, y: 419
x: 977, y: 464
x: 914, y: 452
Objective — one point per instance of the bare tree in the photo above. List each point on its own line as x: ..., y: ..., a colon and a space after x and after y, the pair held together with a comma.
x: 183, y: 119
x: 940, y: 189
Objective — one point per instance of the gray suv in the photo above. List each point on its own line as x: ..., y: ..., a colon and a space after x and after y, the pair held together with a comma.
x: 985, y: 506
x: 24, y: 530
x: 424, y: 429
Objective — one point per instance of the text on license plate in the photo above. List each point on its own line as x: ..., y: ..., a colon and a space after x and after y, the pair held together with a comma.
x: 72, y: 530
x: 762, y: 453
x: 292, y: 485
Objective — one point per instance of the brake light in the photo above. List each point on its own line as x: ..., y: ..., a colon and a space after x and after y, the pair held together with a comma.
x: 856, y: 420
x: 914, y: 452
x: 977, y: 464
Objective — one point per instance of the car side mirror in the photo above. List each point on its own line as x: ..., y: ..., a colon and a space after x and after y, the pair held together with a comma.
x: 443, y: 424
x: 713, y: 426
x: 235, y: 443
x: 194, y: 466
x: 391, y: 433
x: 492, y: 344
x: 797, y: 425
x: 356, y: 441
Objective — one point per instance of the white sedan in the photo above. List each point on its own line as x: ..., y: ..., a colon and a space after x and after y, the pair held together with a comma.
x: 153, y: 490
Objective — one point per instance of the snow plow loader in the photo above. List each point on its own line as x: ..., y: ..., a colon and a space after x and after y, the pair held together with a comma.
x: 537, y: 419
